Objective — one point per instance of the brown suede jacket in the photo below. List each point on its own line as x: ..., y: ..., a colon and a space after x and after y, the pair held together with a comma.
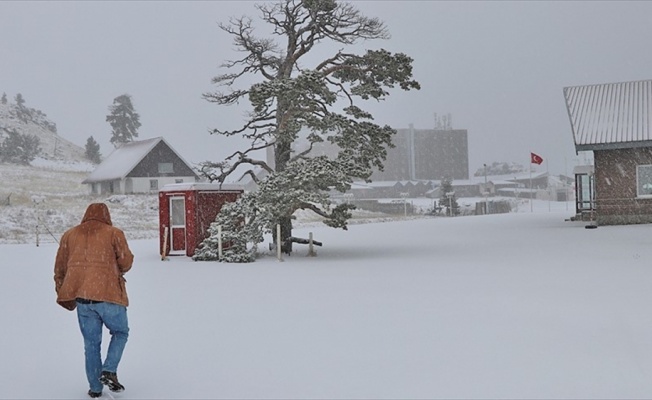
x: 91, y: 261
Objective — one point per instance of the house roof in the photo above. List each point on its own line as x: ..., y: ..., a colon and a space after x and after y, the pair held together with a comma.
x: 476, y: 180
x: 610, y: 115
x: 124, y: 159
x: 200, y: 186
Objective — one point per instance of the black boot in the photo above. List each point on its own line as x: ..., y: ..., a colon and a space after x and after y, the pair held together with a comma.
x: 94, y: 394
x: 110, y: 379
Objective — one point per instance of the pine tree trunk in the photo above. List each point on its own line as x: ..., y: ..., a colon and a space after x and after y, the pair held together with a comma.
x: 283, y: 150
x: 282, y: 156
x: 286, y: 234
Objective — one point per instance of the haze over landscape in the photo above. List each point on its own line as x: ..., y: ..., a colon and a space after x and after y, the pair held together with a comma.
x: 497, y: 67
x: 521, y: 303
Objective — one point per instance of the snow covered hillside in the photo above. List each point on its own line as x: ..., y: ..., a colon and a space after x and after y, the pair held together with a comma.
x: 30, y: 121
x: 50, y: 196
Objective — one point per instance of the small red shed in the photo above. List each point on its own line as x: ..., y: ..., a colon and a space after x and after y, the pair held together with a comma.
x: 186, y: 211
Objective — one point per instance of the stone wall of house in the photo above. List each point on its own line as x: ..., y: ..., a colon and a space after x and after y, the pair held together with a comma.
x: 617, y: 202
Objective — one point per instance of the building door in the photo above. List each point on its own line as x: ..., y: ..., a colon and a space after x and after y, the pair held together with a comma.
x: 584, y: 193
x: 177, y: 225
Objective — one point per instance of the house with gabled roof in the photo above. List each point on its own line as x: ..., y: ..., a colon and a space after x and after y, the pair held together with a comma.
x: 614, y: 121
x: 141, y: 166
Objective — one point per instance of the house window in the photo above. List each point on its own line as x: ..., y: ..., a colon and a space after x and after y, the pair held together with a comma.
x: 153, y: 184
x: 644, y: 180
x: 178, y: 181
x: 165, y: 168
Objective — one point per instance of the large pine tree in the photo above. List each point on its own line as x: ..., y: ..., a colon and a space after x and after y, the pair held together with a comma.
x: 296, y: 95
x: 124, y: 120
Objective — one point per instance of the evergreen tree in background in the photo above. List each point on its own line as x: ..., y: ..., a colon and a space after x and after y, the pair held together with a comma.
x: 302, y: 89
x: 93, y: 151
x: 19, y: 149
x: 22, y: 112
x: 124, y: 120
x: 4, y: 98
x: 452, y: 208
x: 20, y: 101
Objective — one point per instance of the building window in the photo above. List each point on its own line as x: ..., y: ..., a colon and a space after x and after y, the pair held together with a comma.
x: 644, y: 180
x: 178, y: 181
x: 165, y: 168
x: 177, y: 211
x: 153, y: 184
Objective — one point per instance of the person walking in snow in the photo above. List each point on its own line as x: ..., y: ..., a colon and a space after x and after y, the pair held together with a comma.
x: 89, y: 276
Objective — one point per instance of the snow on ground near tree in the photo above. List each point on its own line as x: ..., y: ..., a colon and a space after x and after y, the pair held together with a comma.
x: 519, y: 305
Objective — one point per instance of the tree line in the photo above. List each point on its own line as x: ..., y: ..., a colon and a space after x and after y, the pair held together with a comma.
x: 18, y: 148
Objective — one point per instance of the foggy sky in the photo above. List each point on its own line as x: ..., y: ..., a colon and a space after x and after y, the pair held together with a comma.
x: 498, y: 67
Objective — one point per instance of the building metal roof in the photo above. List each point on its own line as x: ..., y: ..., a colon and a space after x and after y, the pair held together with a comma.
x: 201, y: 186
x: 610, y: 115
x: 124, y: 159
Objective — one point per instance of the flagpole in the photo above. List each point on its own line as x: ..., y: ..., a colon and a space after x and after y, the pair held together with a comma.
x: 548, y: 184
x: 530, y: 168
x: 538, y: 160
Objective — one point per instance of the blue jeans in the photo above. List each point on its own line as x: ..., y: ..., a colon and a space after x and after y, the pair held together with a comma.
x: 91, y: 318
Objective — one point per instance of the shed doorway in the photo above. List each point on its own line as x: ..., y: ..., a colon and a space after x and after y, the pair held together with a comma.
x: 177, y: 225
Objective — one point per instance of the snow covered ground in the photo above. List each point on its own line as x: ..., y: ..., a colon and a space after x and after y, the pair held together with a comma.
x: 519, y: 305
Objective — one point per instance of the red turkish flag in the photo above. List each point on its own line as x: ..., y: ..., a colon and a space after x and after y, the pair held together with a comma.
x: 536, y: 159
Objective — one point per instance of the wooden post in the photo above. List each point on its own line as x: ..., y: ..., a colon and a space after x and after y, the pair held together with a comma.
x: 37, y: 238
x: 165, y: 244
x: 278, y: 242
x: 311, y: 248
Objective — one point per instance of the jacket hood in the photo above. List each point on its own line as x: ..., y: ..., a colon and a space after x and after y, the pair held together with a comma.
x: 97, y: 212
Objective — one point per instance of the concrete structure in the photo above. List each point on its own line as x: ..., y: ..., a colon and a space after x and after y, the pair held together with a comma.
x: 426, y: 154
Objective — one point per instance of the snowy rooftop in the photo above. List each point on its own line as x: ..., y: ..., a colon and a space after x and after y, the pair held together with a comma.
x: 124, y: 159
x: 475, y: 180
x: 583, y: 169
x: 611, y: 115
x: 173, y: 187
